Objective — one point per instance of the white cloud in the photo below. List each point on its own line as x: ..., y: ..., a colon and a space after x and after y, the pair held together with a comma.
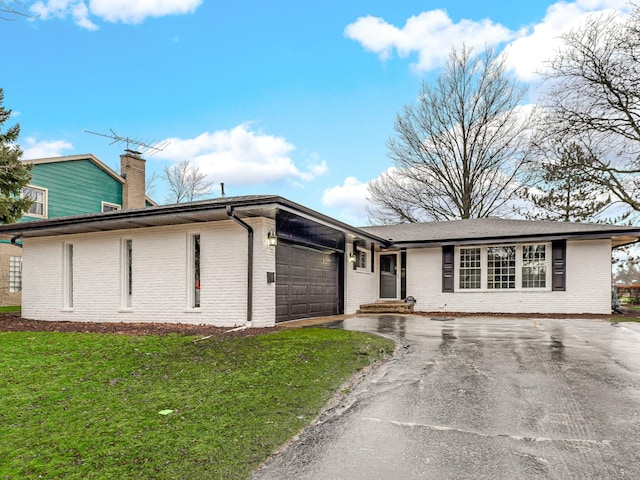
x: 44, y: 148
x: 431, y: 35
x: 350, y: 199
x: 136, y: 11
x: 125, y: 11
x: 528, y: 54
x: 241, y: 156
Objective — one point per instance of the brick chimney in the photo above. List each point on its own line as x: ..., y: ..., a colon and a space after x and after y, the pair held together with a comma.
x: 132, y: 169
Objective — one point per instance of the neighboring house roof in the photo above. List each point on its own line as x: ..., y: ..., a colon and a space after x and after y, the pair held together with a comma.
x: 87, y: 156
x: 71, y: 158
x: 179, y: 214
x: 497, y: 230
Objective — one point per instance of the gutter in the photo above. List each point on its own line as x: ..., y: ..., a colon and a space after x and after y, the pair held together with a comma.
x: 249, y: 230
x: 14, y: 241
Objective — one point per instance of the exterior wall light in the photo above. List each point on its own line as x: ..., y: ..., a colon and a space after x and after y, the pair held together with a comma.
x: 272, y: 238
x: 352, y: 257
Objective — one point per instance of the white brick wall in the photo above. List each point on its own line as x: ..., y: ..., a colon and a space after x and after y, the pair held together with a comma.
x: 361, y: 286
x: 588, y: 285
x: 160, y: 284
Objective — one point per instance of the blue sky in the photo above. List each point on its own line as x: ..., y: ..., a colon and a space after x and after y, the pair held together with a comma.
x: 279, y: 97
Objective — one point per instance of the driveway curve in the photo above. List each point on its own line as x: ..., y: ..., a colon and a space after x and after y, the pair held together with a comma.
x: 475, y: 398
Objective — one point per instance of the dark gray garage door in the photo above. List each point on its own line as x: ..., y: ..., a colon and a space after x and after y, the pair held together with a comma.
x: 307, y: 282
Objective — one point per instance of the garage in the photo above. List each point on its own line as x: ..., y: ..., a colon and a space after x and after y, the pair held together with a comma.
x: 307, y: 282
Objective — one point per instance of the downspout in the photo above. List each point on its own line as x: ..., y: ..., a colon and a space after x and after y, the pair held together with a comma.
x: 14, y: 241
x: 247, y: 227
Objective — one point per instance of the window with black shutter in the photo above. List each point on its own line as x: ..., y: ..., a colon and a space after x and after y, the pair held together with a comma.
x: 559, y: 266
x: 447, y: 268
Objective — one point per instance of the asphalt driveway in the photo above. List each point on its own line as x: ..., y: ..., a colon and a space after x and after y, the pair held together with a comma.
x: 487, y: 398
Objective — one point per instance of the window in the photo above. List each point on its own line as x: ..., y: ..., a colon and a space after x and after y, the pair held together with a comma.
x: 127, y: 273
x: 110, y: 207
x: 39, y: 197
x: 501, y: 267
x: 15, y: 274
x: 68, y: 276
x: 195, y: 271
x: 386, y: 264
x: 534, y: 266
x: 361, y: 259
x: 470, y: 268
x: 448, y: 268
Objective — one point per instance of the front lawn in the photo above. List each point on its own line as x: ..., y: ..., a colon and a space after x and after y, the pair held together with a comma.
x: 78, y: 405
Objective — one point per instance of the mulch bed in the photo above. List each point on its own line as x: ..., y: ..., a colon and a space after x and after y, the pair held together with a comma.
x: 12, y: 322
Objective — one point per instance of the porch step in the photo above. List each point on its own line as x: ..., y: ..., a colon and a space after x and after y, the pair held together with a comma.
x: 387, y: 306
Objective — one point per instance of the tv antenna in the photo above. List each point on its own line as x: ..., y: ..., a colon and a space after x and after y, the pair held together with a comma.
x: 139, y: 144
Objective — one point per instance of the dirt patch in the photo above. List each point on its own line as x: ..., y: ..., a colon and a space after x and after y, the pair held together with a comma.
x: 11, y: 322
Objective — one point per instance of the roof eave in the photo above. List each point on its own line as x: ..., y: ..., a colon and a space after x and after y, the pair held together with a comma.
x: 624, y: 238
x: 176, y: 214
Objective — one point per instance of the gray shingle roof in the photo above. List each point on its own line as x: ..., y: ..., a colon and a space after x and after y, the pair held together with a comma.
x: 491, y: 228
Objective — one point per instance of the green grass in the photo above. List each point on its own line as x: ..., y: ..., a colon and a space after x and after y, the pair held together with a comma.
x: 634, y: 308
x: 15, y: 308
x: 86, y: 405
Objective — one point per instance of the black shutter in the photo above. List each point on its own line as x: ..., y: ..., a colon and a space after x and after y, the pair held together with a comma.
x: 373, y: 253
x: 559, y: 266
x: 447, y: 268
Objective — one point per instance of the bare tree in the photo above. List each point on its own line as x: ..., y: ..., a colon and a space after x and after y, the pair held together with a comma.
x: 460, y: 151
x: 150, y: 184
x: 594, y: 96
x: 186, y: 182
x: 10, y: 9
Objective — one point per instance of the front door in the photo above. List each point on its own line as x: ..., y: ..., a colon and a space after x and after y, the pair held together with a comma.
x: 388, y: 282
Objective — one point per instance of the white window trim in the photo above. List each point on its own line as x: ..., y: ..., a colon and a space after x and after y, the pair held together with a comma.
x: 109, y: 204
x: 15, y: 274
x: 126, y: 300
x: 68, y: 287
x: 190, y: 257
x: 45, y: 200
x: 519, y: 263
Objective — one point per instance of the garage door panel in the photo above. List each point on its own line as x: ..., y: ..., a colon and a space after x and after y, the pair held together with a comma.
x: 317, y: 308
x: 283, y: 268
x: 307, y: 282
x: 298, y: 309
x: 282, y: 288
x: 316, y: 272
x: 298, y: 290
x: 299, y: 271
x: 318, y: 290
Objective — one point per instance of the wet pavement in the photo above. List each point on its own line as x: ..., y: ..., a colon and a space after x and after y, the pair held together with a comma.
x: 475, y: 398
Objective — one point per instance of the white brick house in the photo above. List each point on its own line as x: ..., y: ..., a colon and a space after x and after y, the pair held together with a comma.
x: 258, y: 260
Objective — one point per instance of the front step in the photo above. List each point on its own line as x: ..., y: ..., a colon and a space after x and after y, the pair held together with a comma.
x: 387, y: 306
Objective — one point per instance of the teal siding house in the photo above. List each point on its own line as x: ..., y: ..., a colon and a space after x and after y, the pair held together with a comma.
x: 66, y: 186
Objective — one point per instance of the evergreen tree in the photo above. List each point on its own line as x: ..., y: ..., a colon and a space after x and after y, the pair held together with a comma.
x: 14, y: 174
x: 565, y: 192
